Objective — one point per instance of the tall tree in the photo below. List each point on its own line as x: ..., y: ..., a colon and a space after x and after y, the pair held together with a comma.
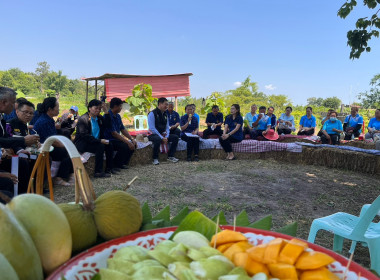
x: 42, y: 72
x: 314, y: 101
x: 366, y: 28
x: 56, y: 81
x: 371, y: 98
x: 245, y: 94
x: 332, y: 102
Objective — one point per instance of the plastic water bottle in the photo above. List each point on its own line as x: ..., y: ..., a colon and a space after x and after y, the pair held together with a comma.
x: 352, y: 137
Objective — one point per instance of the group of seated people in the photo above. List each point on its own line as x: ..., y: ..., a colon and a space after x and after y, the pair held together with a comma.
x: 23, y: 126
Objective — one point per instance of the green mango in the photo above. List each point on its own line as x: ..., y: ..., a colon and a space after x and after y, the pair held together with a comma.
x: 18, y: 248
x: 132, y: 254
x: 209, y: 251
x: 161, y: 257
x: 121, y: 265
x: 165, y: 246
x: 110, y: 274
x: 211, y: 268
x: 150, y: 272
x: 6, y: 270
x: 191, y: 239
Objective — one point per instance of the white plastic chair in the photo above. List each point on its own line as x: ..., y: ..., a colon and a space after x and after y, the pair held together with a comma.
x: 141, y: 119
x: 358, y: 229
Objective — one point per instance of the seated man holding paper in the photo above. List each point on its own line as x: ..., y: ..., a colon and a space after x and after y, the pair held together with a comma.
x: 261, y: 125
x: 189, y: 134
x: 159, y: 126
x: 214, y: 121
x: 90, y: 137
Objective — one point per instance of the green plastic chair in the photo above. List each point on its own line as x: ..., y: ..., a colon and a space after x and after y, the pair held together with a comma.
x: 357, y: 229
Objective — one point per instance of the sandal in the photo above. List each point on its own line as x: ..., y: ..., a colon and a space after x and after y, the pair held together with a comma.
x: 60, y: 182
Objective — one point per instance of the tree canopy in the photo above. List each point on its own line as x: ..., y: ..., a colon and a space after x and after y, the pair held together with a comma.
x: 371, y: 98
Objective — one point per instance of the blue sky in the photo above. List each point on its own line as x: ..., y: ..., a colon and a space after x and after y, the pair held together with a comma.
x: 297, y: 48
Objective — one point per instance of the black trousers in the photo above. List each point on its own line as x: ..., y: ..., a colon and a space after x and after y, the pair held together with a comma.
x: 226, y: 144
x: 309, y: 132
x: 192, y: 145
x: 66, y: 167
x: 256, y: 133
x: 23, y: 173
x: 334, y: 139
x: 176, y: 131
x: 349, y: 135
x: 207, y: 132
x: 6, y: 187
x: 284, y: 131
x: 123, y: 155
x: 156, y: 140
x: 98, y: 149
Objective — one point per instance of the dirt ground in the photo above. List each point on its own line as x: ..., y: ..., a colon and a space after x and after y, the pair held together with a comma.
x: 289, y: 192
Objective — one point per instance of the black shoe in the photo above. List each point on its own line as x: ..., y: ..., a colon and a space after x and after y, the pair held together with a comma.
x: 112, y: 171
x: 123, y: 166
x: 116, y: 169
x: 196, y: 158
x: 102, y: 175
x: 188, y: 159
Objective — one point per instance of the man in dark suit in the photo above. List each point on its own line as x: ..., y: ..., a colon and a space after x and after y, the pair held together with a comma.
x: 90, y: 137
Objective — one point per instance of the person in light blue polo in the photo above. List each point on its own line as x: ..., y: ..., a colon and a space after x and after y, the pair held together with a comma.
x: 250, y: 118
x: 374, y: 127
x: 286, y: 122
x: 331, y: 130
x: 307, y: 123
x: 352, y: 125
x: 261, y: 125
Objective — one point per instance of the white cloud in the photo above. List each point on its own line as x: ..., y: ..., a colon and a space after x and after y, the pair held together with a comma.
x: 270, y: 87
x: 237, y: 84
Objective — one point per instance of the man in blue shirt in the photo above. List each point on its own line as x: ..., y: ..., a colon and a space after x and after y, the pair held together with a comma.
x: 307, y: 123
x: 159, y: 126
x: 250, y: 118
x: 352, y: 124
x: 123, y: 143
x: 331, y: 130
x: 374, y: 128
x: 261, y: 125
x: 12, y: 115
x: 174, y: 119
x: 214, y: 121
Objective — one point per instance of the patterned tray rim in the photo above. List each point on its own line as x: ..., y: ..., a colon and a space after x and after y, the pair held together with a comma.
x: 354, y: 267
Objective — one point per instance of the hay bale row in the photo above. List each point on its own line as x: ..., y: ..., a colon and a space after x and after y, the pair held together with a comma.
x: 334, y: 158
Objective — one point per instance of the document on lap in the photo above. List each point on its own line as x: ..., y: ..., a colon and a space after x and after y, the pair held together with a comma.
x: 191, y: 135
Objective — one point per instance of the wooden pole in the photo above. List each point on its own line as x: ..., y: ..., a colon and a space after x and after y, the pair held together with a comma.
x: 176, y: 104
x: 96, y: 89
x: 86, y: 92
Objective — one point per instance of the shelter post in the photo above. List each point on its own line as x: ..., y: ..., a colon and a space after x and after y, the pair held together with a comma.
x: 86, y: 92
x: 176, y: 103
x: 96, y: 89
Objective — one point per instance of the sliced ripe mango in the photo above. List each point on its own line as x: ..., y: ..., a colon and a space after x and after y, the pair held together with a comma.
x: 241, y: 259
x: 313, y: 260
x: 318, y: 274
x: 283, y: 271
x: 273, y: 250
x: 241, y: 246
x: 256, y: 253
x: 227, y: 236
x: 254, y: 267
x: 222, y: 248
x: 291, y: 251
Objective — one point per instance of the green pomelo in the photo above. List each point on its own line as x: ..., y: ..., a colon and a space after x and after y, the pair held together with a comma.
x: 47, y: 226
x: 17, y: 247
x: 82, y: 225
x: 117, y: 214
x: 6, y: 270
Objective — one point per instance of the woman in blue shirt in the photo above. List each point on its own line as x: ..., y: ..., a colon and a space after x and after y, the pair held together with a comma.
x: 46, y: 127
x: 331, y: 130
x: 286, y: 122
x: 374, y: 127
x: 189, y: 132
x: 233, y: 131
x: 307, y: 123
x: 353, y: 124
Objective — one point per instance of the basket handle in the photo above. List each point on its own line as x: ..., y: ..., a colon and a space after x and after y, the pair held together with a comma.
x: 70, y: 147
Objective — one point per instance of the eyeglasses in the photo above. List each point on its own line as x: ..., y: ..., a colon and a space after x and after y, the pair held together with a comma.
x: 27, y: 113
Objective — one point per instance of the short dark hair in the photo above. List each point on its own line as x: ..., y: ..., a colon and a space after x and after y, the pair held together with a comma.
x: 262, y: 108
x: 161, y: 100
x: 21, y: 100
x: 94, y: 102
x: 271, y: 107
x: 291, y: 109
x: 333, y: 112
x: 188, y: 105
x: 48, y: 103
x: 25, y: 103
x: 193, y: 105
x: 214, y: 107
x: 311, y: 109
x: 115, y: 102
x: 6, y: 92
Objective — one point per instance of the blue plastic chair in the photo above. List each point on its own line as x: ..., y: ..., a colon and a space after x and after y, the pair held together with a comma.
x: 357, y: 229
x: 141, y: 119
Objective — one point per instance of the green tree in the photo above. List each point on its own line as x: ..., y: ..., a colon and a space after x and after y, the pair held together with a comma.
x: 141, y: 100
x: 332, y: 102
x: 42, y: 72
x: 371, y: 98
x: 56, y: 81
x: 366, y: 28
x: 279, y: 102
x: 7, y: 80
x: 216, y: 98
x: 314, y: 101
